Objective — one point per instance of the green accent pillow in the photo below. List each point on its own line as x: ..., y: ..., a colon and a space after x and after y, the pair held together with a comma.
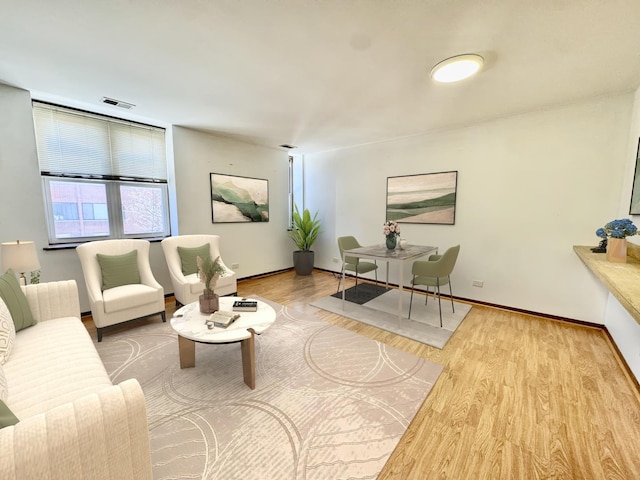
x: 7, y: 418
x: 16, y: 301
x: 188, y: 257
x: 118, y: 270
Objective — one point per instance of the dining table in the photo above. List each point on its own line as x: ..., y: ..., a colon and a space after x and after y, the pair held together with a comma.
x: 397, y: 255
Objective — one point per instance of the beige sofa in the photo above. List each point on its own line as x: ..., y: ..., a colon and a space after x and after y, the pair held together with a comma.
x: 73, y: 423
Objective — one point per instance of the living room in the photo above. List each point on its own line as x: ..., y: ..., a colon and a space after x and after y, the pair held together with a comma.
x: 560, y: 191
x: 531, y: 185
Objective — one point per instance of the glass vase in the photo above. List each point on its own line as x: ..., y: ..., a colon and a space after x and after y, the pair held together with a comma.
x: 209, y: 302
x: 391, y: 243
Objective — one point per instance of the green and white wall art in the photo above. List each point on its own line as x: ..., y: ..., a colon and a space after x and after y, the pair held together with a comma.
x: 237, y: 199
x: 425, y: 198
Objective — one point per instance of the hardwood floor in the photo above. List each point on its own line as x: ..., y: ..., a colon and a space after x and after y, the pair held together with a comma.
x: 520, y: 396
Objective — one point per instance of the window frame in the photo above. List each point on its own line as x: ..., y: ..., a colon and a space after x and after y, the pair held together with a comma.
x: 112, y: 183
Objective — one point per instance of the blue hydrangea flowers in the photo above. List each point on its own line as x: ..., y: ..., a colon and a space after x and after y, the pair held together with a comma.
x: 617, y: 229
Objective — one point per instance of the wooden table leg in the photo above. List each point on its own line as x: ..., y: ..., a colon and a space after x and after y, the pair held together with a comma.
x: 187, y: 350
x: 249, y: 360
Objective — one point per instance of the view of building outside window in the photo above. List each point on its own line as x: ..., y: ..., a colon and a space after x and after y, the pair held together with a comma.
x: 79, y: 209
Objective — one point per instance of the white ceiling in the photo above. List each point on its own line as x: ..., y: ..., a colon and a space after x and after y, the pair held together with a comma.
x: 319, y: 74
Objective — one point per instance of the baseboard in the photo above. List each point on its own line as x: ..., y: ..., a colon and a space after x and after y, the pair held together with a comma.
x: 623, y: 363
x: 487, y: 304
x: 266, y: 274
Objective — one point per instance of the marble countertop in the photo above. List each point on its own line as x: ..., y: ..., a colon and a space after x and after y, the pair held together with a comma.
x: 622, y: 279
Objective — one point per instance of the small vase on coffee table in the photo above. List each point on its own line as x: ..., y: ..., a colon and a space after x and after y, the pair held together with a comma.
x: 209, y: 301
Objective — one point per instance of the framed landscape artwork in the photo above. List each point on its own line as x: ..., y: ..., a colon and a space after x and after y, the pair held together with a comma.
x: 634, y: 208
x: 426, y: 198
x: 239, y: 199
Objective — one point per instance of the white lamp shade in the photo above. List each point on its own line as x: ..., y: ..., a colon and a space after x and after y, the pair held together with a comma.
x: 19, y: 256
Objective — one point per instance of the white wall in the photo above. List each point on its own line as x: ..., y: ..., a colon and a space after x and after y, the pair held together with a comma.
x: 21, y: 207
x: 22, y: 214
x: 529, y: 188
x: 259, y: 248
x: 256, y: 247
x: 624, y: 329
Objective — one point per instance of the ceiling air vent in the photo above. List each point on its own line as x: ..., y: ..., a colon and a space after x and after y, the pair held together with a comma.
x: 289, y: 147
x: 117, y: 103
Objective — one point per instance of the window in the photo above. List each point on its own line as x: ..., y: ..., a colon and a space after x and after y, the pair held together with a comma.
x: 102, y: 177
x: 95, y: 211
x: 65, y: 211
x: 296, y: 186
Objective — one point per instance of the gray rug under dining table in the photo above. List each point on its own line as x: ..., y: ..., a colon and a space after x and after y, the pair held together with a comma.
x: 382, y: 312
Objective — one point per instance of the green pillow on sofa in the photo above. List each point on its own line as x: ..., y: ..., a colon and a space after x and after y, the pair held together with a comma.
x: 16, y: 301
x: 7, y: 418
x: 188, y: 257
x: 118, y: 270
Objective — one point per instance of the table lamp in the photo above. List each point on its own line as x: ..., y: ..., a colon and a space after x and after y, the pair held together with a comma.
x: 20, y: 257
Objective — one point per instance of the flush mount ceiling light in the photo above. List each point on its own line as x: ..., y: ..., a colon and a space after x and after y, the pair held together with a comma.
x: 457, y: 68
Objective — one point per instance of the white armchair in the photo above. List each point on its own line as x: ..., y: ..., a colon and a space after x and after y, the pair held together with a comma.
x: 187, y: 288
x: 124, y: 302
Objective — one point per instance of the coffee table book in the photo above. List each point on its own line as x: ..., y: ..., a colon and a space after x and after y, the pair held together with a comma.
x: 245, y: 306
x: 223, y: 319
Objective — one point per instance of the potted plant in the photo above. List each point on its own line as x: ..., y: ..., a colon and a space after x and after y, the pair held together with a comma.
x: 209, y: 271
x: 615, y: 233
x: 304, y: 233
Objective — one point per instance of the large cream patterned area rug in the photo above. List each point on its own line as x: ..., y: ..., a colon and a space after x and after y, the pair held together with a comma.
x: 328, y: 403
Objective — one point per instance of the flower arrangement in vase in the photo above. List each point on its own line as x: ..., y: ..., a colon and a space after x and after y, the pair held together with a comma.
x: 209, y: 271
x: 391, y: 231
x: 615, y: 235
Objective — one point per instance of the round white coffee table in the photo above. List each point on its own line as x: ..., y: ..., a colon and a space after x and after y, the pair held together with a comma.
x: 191, y: 328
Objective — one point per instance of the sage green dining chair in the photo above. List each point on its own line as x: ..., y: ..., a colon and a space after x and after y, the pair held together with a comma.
x: 353, y: 264
x: 435, y: 272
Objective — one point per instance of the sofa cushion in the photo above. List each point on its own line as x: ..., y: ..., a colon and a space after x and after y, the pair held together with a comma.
x: 128, y: 296
x: 52, y: 363
x: 7, y: 332
x: 7, y: 418
x: 188, y: 257
x: 118, y: 270
x: 16, y: 301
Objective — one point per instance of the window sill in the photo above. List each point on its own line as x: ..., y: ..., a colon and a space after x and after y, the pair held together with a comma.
x: 69, y: 246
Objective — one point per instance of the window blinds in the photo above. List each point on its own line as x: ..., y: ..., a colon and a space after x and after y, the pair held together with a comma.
x: 75, y: 143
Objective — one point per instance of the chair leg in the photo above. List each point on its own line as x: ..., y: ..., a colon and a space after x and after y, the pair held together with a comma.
x: 340, y: 278
x: 439, y: 304
x: 411, y: 298
x: 451, y: 296
x: 99, y: 330
x: 164, y: 316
